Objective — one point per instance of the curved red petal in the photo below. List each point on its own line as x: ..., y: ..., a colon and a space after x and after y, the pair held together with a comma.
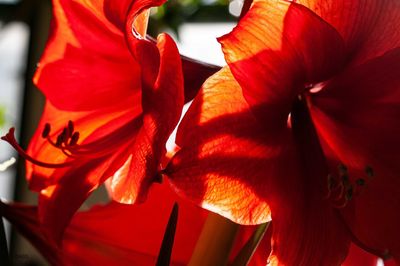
x: 369, y: 28
x: 91, y: 125
x: 81, y: 58
x: 217, y: 132
x: 162, y: 102
x: 115, y: 234
x: 230, y: 164
x: 273, y: 53
x: 357, y: 116
x: 57, y: 206
x: 357, y: 256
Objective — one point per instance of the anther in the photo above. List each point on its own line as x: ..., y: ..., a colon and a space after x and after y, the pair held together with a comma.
x: 70, y: 128
x: 349, y: 193
x: 74, y: 139
x: 65, y: 135
x: 46, y: 130
x: 60, y: 140
x: 369, y: 171
x: 360, y: 182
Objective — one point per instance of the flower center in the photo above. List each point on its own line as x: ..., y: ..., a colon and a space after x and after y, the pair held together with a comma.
x: 341, y: 189
x: 67, y: 143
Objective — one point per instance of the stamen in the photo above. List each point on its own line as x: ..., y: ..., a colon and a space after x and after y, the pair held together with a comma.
x: 70, y: 128
x: 360, y: 182
x: 369, y: 171
x: 10, y: 138
x: 331, y: 184
x: 349, y: 193
x: 74, y: 139
x: 46, y: 130
x: 343, y: 189
x: 60, y: 140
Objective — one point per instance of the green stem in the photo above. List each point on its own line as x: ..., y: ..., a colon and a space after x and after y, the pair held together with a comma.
x: 215, y: 241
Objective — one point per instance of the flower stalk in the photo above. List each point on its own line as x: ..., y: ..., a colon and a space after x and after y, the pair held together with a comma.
x: 215, y: 241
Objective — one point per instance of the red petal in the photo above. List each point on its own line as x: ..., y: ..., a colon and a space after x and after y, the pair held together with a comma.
x: 162, y: 103
x: 86, y: 59
x: 116, y: 13
x: 138, y: 227
x: 116, y: 234
x: 230, y: 164
x: 195, y: 73
x: 369, y: 28
x: 357, y: 116
x: 273, y: 53
x: 24, y: 219
x: 358, y: 256
x: 88, y: 124
x: 216, y: 133
x: 57, y: 206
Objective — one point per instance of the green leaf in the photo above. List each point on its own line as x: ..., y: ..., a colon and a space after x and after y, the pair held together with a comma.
x: 4, y: 258
x: 245, y: 254
x: 164, y: 256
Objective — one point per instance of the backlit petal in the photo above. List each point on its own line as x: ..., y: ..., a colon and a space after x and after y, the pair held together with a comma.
x: 369, y: 28
x: 232, y: 165
x: 273, y: 53
x: 162, y: 103
x: 87, y: 63
x: 91, y: 125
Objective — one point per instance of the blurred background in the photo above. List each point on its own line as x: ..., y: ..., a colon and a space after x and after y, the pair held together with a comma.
x: 23, y: 32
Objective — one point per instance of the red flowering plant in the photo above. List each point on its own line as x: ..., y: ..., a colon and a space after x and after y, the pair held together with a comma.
x: 302, y: 127
x: 113, y: 98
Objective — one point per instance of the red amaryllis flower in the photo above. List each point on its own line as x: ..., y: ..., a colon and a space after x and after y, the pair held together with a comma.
x: 113, y: 98
x: 302, y: 126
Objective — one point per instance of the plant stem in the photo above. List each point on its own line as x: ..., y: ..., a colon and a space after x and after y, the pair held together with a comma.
x: 215, y: 241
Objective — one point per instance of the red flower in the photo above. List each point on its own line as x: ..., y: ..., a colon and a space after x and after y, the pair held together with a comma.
x: 302, y: 126
x: 113, y: 98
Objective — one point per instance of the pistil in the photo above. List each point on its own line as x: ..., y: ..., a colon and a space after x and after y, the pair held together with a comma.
x: 10, y: 138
